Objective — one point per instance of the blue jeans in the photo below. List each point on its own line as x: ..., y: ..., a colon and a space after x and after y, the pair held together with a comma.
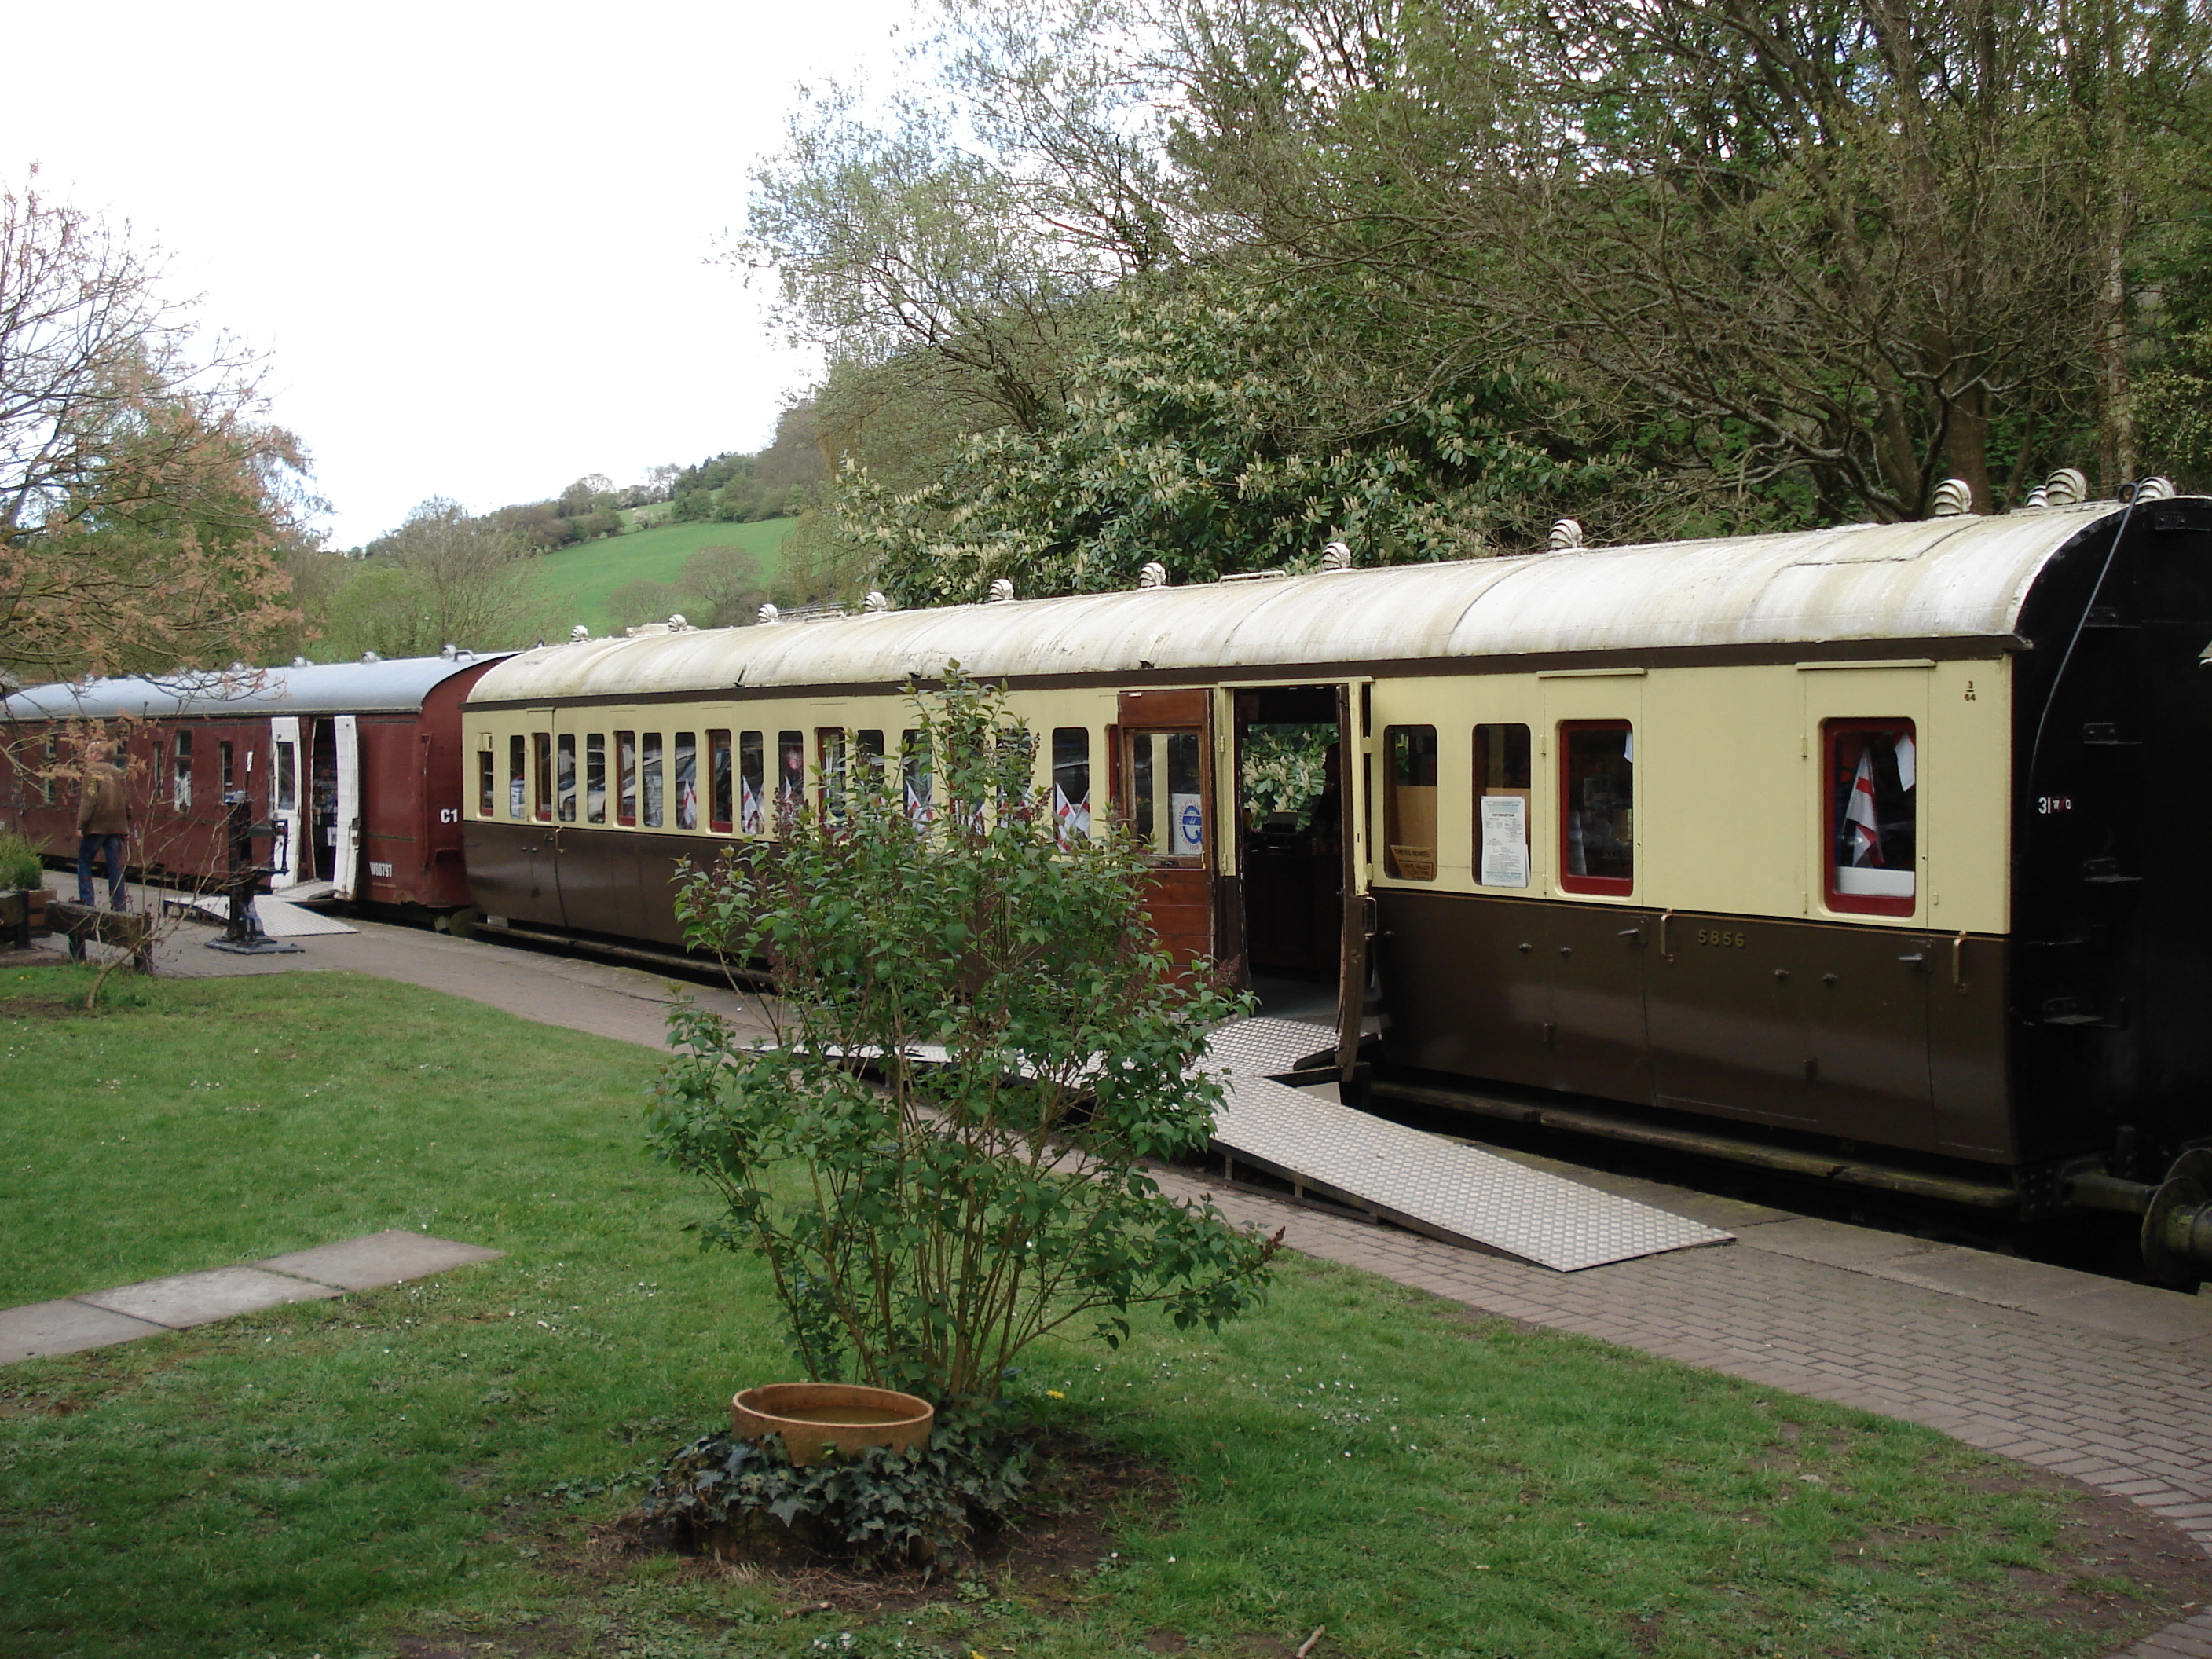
x: 89, y: 847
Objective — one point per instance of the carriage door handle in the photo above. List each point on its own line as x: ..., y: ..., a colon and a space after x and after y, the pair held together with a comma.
x: 1917, y: 958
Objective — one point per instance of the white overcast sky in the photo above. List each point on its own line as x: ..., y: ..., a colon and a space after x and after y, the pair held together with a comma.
x: 472, y: 239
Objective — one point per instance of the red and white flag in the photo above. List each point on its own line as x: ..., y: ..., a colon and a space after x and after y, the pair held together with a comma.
x: 1861, y: 826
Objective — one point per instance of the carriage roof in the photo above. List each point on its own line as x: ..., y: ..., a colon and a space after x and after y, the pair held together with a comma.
x: 397, y: 686
x: 1954, y: 578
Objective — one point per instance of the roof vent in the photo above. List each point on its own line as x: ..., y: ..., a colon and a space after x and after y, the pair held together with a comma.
x: 579, y: 633
x: 2036, y: 497
x: 1566, y: 535
x: 1336, y: 557
x: 370, y: 656
x: 302, y: 662
x: 1154, y: 575
x: 766, y: 616
x: 2065, y: 487
x: 1952, y: 497
x: 1002, y: 591
x: 448, y: 651
x: 677, y: 623
x: 2153, y: 489
x: 875, y: 604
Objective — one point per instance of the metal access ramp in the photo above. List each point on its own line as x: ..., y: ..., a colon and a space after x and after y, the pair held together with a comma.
x: 1422, y: 1182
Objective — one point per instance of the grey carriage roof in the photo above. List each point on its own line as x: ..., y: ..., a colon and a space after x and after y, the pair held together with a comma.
x: 339, y: 688
x: 1961, y: 577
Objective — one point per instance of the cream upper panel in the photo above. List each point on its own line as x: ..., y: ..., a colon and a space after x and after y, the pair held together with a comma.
x: 494, y: 729
x: 1729, y: 784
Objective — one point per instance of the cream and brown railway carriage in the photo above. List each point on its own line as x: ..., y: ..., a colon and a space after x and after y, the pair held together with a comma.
x: 1884, y: 850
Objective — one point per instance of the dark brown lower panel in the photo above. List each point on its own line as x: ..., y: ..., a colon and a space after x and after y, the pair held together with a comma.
x: 1870, y: 1034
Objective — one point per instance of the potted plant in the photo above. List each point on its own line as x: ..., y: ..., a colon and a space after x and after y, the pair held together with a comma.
x: 23, y: 870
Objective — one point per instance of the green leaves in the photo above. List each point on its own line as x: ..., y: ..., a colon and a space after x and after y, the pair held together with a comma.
x: 924, y: 1223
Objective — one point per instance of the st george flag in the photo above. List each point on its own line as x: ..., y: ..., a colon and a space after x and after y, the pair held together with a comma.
x: 1860, y: 826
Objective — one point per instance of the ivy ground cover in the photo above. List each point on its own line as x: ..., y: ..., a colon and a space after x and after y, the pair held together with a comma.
x: 422, y: 1471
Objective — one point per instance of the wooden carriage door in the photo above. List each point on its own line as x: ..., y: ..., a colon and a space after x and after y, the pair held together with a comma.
x: 1166, y: 799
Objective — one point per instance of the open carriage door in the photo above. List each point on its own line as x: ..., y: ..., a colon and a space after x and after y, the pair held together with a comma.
x: 1358, y: 919
x: 286, y: 787
x: 1166, y: 779
x: 345, y: 834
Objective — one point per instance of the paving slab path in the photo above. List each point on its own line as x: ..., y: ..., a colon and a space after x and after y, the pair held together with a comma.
x: 100, y: 1319
x: 2108, y: 1382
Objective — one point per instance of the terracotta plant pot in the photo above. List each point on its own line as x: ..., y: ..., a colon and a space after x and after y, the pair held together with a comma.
x: 815, y: 1417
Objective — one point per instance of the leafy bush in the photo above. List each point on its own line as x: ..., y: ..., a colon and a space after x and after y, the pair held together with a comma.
x: 940, y: 1223
x: 21, y: 861
x: 885, y: 1507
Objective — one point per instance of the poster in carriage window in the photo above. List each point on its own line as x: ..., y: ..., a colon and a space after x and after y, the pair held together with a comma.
x: 1505, y: 841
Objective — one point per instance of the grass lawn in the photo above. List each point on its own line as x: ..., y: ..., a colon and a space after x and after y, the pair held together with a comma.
x: 582, y: 576
x: 420, y: 1471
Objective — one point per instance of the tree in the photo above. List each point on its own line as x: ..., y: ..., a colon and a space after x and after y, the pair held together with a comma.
x: 441, y: 579
x: 1869, y: 243
x: 643, y: 601
x: 145, y: 506
x: 727, y: 581
x: 933, y: 1229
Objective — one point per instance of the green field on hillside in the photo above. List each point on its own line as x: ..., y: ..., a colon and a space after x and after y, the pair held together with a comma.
x: 579, y: 578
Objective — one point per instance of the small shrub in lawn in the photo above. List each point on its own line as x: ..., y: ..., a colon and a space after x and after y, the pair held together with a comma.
x: 942, y: 1222
x: 21, y: 863
x: 884, y: 1508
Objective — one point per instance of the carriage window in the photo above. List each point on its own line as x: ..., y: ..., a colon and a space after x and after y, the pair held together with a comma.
x: 1168, y: 793
x: 718, y: 781
x: 288, y: 796
x: 226, y: 765
x: 830, y: 746
x: 564, y: 775
x: 868, y: 760
x: 183, y: 788
x: 1409, y: 811
x: 518, y: 772
x: 915, y: 765
x: 1071, y: 781
x: 790, y: 771
x: 649, y: 776
x: 541, y: 792
x: 487, y: 783
x: 1873, y: 778
x: 595, y: 778
x: 1501, y: 804
x: 47, y: 777
x: 752, y: 782
x: 1597, y: 809
x: 625, y: 777
x: 686, y: 781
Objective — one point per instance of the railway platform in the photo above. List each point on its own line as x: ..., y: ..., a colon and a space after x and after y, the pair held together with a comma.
x: 2108, y: 1382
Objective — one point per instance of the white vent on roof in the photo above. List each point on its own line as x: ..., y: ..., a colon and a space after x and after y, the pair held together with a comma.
x: 1336, y: 557
x: 1154, y: 575
x: 1952, y: 497
x: 302, y: 662
x: 2065, y: 487
x: 1566, y: 535
x: 766, y: 616
x: 2155, y: 489
x: 677, y: 623
x: 875, y: 603
x: 1002, y: 591
x: 579, y: 633
x: 370, y: 656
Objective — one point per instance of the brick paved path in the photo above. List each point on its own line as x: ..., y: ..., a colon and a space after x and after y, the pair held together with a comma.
x: 2126, y: 1415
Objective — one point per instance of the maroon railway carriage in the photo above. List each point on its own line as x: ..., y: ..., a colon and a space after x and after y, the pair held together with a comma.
x: 357, y: 763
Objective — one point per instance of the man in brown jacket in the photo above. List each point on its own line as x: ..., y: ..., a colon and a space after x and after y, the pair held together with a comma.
x: 103, y: 819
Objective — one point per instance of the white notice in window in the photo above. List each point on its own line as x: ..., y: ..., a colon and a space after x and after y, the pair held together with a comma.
x: 1505, y: 841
